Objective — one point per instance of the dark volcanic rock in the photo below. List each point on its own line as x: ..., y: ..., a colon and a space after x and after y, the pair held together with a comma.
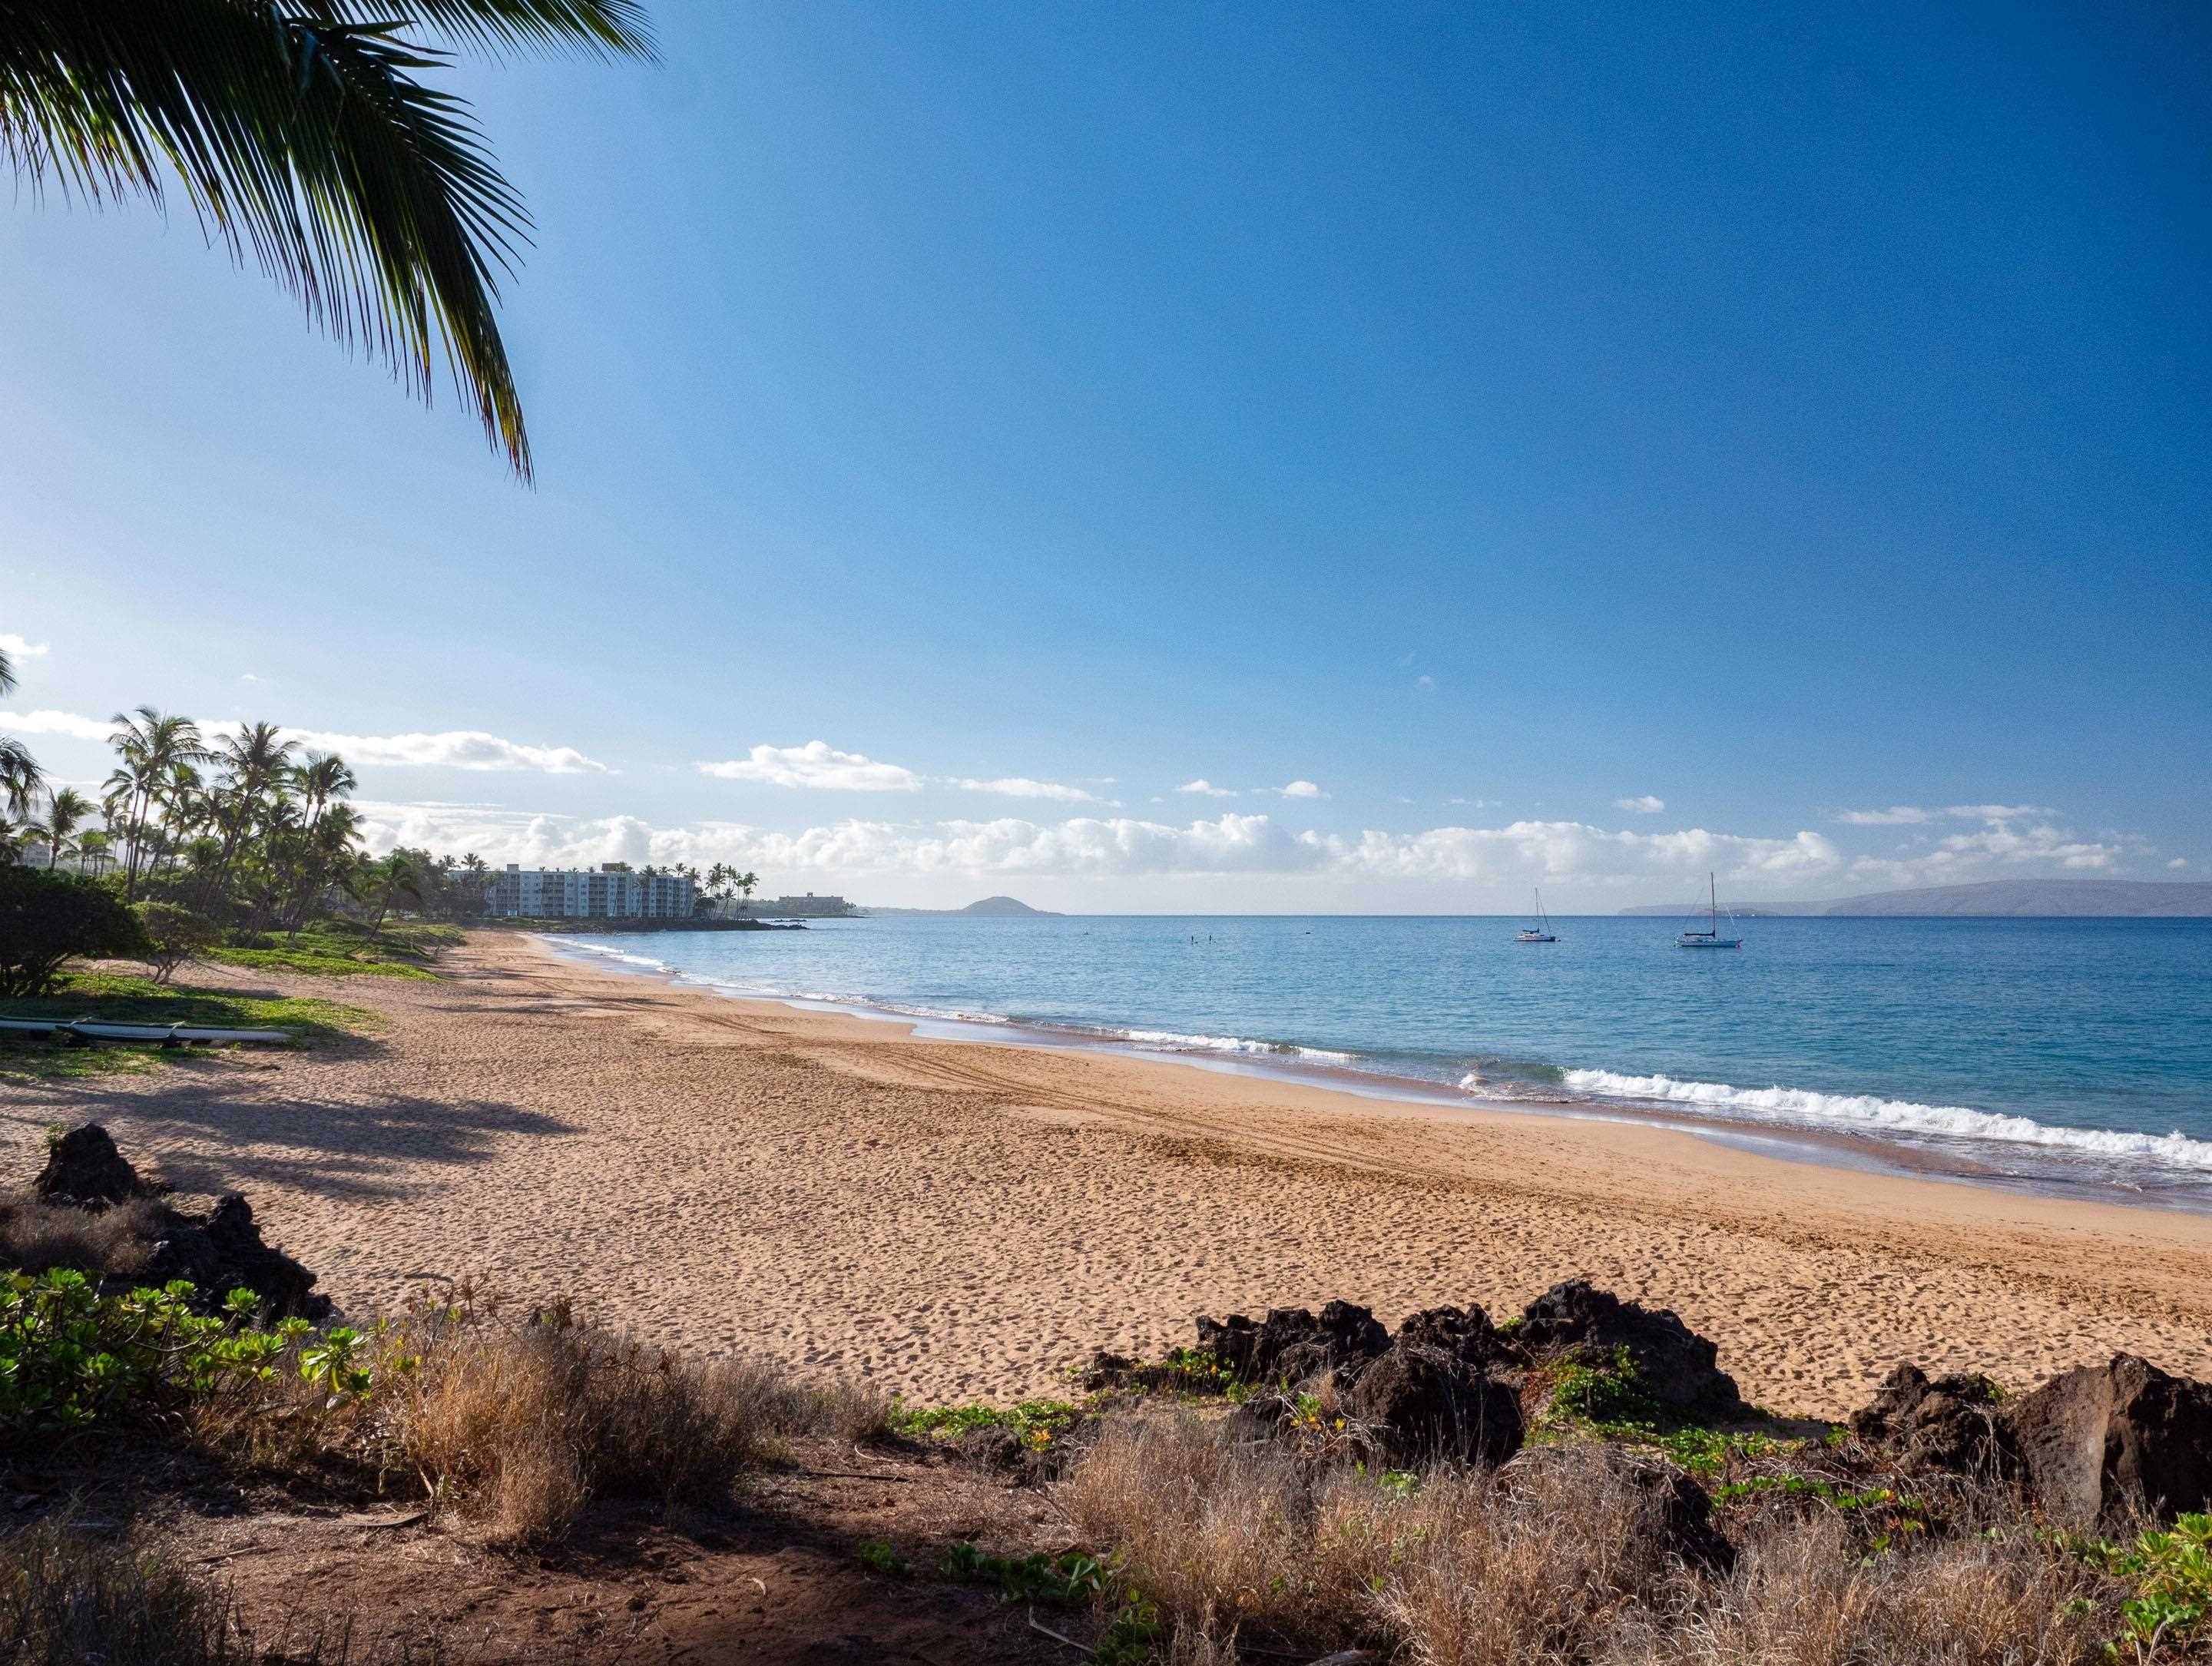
x: 1676, y: 1365
x: 85, y: 1171
x: 225, y: 1252
x: 218, y: 1252
x: 1948, y: 1423
x: 1290, y: 1344
x: 2099, y: 1442
x: 1466, y: 1334
x: 1423, y: 1403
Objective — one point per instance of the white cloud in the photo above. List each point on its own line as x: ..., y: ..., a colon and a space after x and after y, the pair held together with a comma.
x: 1474, y: 804
x: 816, y: 764
x: 1111, y: 847
x: 2178, y: 863
x: 1898, y: 815
x: 1206, y: 788
x: 1646, y: 806
x: 1301, y: 789
x: 450, y: 749
x: 1996, y: 812
x: 1021, y: 786
x: 1425, y: 682
x: 52, y: 723
x: 16, y: 647
x: 1961, y: 857
x: 1911, y: 815
x: 454, y: 748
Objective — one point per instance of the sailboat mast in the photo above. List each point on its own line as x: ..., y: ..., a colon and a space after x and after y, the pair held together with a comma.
x: 1712, y: 902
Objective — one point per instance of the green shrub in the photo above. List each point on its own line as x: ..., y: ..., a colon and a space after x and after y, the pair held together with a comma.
x: 70, y: 1357
x: 48, y: 918
x: 2171, y: 1576
x: 174, y: 935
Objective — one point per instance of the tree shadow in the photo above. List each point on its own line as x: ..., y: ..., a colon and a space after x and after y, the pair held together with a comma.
x: 362, y: 1149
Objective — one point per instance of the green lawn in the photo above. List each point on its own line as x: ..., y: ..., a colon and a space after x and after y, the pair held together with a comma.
x: 113, y: 999
x: 335, y: 949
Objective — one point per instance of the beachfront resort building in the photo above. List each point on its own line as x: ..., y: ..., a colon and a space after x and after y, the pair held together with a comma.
x: 609, y: 892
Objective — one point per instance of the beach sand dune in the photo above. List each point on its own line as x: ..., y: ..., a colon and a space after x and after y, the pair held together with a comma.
x: 955, y: 1220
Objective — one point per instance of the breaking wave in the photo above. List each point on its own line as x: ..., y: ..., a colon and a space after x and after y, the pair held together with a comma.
x: 1236, y: 1045
x: 1864, y: 1113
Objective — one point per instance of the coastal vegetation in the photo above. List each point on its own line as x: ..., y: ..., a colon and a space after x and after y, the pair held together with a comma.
x: 306, y: 133
x: 1582, y: 1486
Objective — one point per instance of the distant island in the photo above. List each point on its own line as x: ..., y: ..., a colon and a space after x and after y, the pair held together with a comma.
x: 2013, y: 898
x: 1004, y: 908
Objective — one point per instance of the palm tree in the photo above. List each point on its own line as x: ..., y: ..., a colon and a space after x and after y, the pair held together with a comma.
x: 394, y: 876
x: 298, y: 128
x: 150, y: 744
x: 94, y: 846
x: 66, y: 810
x: 20, y: 777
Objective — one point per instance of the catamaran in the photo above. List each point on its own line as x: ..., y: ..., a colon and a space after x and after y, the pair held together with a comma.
x: 1542, y: 931
x: 1710, y: 937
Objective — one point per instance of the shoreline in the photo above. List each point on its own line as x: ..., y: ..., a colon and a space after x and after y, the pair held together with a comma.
x: 1955, y: 1161
x: 957, y: 1221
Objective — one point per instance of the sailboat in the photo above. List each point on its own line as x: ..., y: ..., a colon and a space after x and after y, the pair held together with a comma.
x: 1542, y: 931
x: 1710, y: 937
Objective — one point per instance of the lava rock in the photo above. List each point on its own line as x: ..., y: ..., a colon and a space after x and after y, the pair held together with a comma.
x: 224, y: 1252
x: 85, y: 1171
x: 1948, y: 1423
x: 1291, y: 1344
x: 1422, y: 1403
x: 1678, y: 1366
x: 1466, y: 1333
x: 2098, y: 1444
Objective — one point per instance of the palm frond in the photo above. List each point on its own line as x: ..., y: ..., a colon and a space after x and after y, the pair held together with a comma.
x: 302, y: 131
x: 604, y: 26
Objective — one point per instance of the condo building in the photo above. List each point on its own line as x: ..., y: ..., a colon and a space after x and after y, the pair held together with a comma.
x: 609, y: 892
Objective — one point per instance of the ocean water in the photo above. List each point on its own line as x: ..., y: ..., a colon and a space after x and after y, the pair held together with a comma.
x: 2066, y: 1055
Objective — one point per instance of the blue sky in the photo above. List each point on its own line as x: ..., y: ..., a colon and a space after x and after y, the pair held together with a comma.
x: 1500, y: 422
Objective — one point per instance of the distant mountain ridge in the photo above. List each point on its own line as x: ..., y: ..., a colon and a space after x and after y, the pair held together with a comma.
x: 2138, y: 899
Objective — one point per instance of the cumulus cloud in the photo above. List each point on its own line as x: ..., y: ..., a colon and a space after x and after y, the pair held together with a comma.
x: 450, y: 749
x: 16, y: 647
x: 816, y: 764
x: 2178, y: 863
x: 1646, y: 806
x: 1110, y: 845
x: 1021, y: 786
x: 1911, y: 815
x: 1207, y: 790
x: 1301, y: 789
x: 52, y: 723
x: 454, y: 748
x: 1961, y: 857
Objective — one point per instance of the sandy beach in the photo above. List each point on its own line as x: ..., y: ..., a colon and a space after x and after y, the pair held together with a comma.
x: 959, y: 1221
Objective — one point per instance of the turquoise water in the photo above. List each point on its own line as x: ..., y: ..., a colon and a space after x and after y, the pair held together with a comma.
x: 2055, y: 1053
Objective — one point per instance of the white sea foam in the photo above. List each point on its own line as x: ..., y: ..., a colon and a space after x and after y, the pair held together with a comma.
x: 571, y: 945
x: 1236, y: 1044
x: 1865, y: 1113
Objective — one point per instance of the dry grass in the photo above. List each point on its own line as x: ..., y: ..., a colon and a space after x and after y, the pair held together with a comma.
x: 1560, y: 1557
x: 517, y: 1423
x: 522, y: 1423
x: 36, y: 1237
x: 67, y: 1598
x: 781, y: 1404
x: 1805, y: 1595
